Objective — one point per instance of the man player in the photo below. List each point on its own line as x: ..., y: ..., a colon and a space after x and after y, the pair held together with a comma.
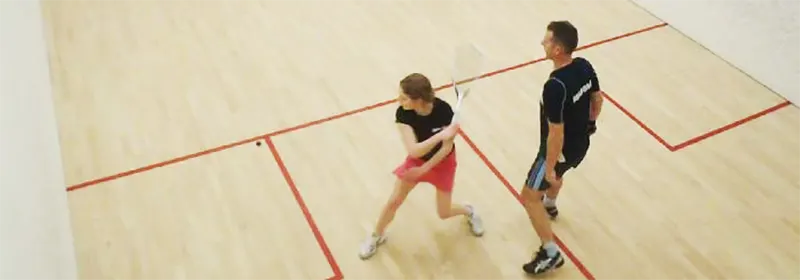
x: 570, y: 103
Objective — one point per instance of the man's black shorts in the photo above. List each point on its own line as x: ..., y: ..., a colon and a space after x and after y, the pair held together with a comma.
x: 535, y: 179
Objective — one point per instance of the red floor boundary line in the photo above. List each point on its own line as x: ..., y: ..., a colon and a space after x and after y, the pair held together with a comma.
x: 729, y: 126
x: 337, y: 273
x: 161, y: 164
x: 449, y: 85
x: 697, y: 139
x: 577, y: 262
x: 334, y: 117
x: 643, y: 30
x: 638, y: 121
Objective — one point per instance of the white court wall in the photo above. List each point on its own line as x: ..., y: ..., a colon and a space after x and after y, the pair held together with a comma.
x: 35, y: 234
x: 760, y: 37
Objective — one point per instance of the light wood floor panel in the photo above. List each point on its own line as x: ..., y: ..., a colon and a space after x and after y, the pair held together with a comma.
x: 145, y: 81
x: 675, y: 86
x: 222, y: 216
x: 741, y: 190
x: 138, y: 82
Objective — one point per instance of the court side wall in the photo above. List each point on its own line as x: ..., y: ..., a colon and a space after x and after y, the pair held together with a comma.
x: 760, y: 37
x: 35, y: 233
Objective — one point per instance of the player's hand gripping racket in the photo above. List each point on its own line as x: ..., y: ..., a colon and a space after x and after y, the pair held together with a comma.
x: 467, y: 70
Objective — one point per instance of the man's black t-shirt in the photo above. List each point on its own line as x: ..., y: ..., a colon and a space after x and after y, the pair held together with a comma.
x: 566, y: 100
x: 426, y: 126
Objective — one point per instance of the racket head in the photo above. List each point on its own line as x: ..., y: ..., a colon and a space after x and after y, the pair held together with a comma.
x: 468, y: 67
x: 467, y: 70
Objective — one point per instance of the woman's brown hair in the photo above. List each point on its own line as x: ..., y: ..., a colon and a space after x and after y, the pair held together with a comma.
x: 417, y: 86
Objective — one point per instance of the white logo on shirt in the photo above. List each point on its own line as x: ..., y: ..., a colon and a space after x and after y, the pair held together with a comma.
x: 583, y: 90
x: 436, y: 129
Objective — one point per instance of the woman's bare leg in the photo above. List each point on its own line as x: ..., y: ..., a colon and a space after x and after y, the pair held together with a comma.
x: 399, y: 194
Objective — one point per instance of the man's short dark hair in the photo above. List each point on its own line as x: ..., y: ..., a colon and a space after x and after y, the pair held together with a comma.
x: 564, y: 34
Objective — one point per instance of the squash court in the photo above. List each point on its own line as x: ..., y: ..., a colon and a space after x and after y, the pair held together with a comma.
x: 693, y: 172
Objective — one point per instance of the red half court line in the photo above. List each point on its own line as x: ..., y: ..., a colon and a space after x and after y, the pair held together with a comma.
x: 334, y: 117
x: 337, y: 273
x: 638, y: 122
x: 577, y: 262
x: 697, y: 139
x: 729, y: 126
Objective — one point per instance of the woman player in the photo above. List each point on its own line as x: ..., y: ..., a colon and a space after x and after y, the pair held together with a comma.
x: 427, y: 134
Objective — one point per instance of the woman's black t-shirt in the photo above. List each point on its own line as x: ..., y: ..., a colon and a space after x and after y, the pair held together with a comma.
x: 426, y: 126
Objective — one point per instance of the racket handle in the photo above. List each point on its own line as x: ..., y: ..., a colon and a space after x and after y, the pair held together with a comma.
x: 456, y: 117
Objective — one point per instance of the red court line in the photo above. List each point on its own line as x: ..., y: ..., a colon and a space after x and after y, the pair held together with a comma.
x: 334, y: 117
x: 164, y: 163
x: 637, y: 121
x: 337, y: 273
x: 729, y: 126
x: 493, y: 73
x: 696, y: 139
x: 643, y: 30
x: 577, y: 262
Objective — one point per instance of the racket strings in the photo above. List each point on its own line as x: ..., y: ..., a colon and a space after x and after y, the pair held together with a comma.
x: 467, y: 68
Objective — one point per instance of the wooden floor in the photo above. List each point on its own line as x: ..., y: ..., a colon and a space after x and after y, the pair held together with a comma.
x: 160, y: 104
